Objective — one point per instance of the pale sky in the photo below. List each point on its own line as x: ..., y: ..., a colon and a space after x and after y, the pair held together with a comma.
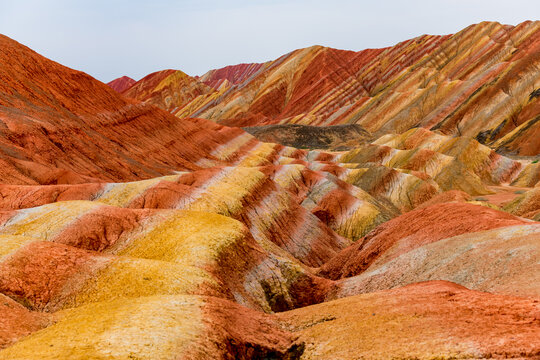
x: 111, y: 38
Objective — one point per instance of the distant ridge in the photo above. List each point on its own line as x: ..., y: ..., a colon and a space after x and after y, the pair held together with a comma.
x: 121, y: 84
x: 482, y: 82
x: 234, y: 74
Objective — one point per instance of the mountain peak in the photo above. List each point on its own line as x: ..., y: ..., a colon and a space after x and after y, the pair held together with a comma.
x: 121, y: 84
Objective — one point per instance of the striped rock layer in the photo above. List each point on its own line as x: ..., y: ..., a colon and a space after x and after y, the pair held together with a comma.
x: 62, y: 126
x: 128, y: 233
x: 481, y: 82
x: 231, y: 75
x: 167, y: 89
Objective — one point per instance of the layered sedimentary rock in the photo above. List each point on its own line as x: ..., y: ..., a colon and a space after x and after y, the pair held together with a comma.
x: 126, y: 232
x: 415, y: 229
x: 485, y: 261
x: 167, y: 89
x: 530, y: 176
x: 62, y: 126
x: 481, y: 82
x: 526, y: 205
x: 231, y: 75
x: 422, y: 321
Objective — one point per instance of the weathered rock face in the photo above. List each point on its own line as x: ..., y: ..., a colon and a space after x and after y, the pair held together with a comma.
x: 126, y: 232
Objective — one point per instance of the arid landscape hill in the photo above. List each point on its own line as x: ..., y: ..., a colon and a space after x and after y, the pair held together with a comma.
x: 149, y: 225
x: 121, y: 84
x: 60, y: 125
x: 481, y: 82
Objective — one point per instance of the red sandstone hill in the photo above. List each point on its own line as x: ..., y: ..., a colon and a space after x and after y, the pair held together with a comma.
x: 121, y: 84
x: 61, y: 125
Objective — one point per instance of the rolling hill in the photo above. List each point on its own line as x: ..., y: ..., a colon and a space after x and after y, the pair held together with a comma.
x: 148, y: 224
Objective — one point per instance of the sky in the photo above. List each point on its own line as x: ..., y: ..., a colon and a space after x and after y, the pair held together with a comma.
x: 111, y: 38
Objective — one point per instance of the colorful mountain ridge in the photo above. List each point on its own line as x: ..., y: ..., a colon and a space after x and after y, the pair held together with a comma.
x: 481, y: 82
x: 145, y: 223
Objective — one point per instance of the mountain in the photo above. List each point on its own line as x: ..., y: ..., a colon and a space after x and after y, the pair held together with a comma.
x: 233, y: 74
x: 128, y: 232
x: 481, y: 82
x: 61, y: 125
x: 121, y: 84
x: 167, y: 88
